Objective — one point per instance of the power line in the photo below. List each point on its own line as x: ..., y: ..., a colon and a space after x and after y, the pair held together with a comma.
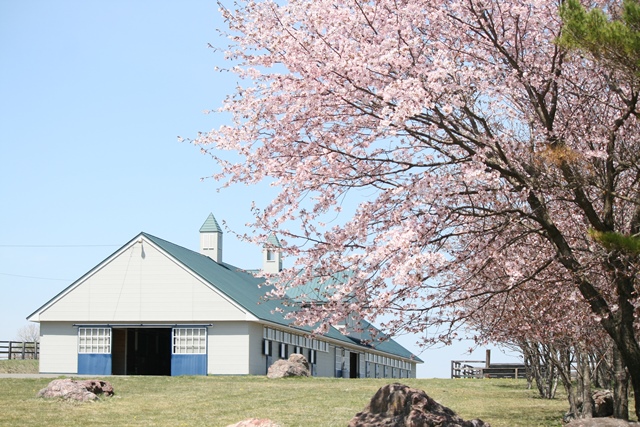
x: 56, y: 246
x: 34, y: 277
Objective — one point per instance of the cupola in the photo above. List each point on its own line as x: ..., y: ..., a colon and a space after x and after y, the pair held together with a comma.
x: 272, y: 255
x: 211, y: 239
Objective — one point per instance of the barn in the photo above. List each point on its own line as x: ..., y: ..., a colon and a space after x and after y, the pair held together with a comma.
x: 157, y: 308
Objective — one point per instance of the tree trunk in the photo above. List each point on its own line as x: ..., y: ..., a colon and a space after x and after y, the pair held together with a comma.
x: 620, y: 327
x: 541, y: 367
x: 620, y: 387
x: 564, y: 369
x: 584, y: 384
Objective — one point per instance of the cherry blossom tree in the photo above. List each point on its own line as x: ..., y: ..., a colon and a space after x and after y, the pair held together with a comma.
x: 481, y: 156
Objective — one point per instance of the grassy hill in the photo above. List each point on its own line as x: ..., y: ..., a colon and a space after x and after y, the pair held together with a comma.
x: 18, y: 366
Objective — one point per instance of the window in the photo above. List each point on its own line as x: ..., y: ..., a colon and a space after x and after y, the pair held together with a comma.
x: 283, y: 350
x: 339, y: 367
x: 270, y: 255
x: 189, y: 340
x: 312, y: 356
x: 94, y: 340
x: 266, y: 348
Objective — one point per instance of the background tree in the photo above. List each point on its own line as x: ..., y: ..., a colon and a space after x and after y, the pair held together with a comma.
x: 474, y: 146
x: 28, y: 333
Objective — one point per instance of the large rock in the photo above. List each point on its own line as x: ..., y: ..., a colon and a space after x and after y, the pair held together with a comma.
x: 601, y: 402
x: 397, y: 405
x: 255, y: 422
x: 295, y: 366
x: 76, y: 390
x: 600, y: 422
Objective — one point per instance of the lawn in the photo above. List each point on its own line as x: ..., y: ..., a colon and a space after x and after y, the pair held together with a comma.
x: 309, y: 402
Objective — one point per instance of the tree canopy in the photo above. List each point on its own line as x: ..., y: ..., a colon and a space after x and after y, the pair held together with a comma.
x: 491, y: 153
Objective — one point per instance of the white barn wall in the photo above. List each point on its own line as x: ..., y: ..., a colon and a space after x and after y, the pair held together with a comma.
x: 58, y: 348
x: 257, y: 361
x: 361, y: 365
x: 229, y: 348
x: 142, y: 285
x: 325, y: 366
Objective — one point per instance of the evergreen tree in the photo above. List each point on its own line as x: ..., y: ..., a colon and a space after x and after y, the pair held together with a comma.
x: 612, y: 38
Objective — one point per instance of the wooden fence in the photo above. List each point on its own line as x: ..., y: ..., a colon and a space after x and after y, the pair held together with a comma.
x: 486, y: 369
x: 471, y: 369
x: 19, y: 350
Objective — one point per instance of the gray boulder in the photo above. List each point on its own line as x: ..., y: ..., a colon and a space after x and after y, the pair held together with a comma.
x: 82, y: 391
x: 295, y: 366
x: 601, y: 402
x: 397, y: 405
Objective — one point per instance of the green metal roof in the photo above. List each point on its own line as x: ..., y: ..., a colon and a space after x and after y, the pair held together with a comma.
x: 211, y: 225
x: 273, y: 241
x: 317, y: 289
x: 244, y: 288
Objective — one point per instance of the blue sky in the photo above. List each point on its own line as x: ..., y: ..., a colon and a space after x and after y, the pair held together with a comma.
x: 92, y: 98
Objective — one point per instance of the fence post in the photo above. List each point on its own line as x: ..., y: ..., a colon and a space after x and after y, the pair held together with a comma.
x: 10, y: 350
x: 23, y: 345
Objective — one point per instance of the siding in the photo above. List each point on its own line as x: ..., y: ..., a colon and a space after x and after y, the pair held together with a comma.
x: 229, y: 348
x: 257, y: 361
x: 58, y: 348
x: 141, y: 284
x: 325, y: 367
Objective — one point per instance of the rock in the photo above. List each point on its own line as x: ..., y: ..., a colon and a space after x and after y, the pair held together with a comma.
x: 600, y: 422
x: 76, y: 390
x: 295, y: 366
x: 397, y: 405
x: 602, y: 403
x: 255, y: 422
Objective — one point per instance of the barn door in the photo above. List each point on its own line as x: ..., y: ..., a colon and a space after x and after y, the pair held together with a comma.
x: 189, y: 351
x: 94, y: 351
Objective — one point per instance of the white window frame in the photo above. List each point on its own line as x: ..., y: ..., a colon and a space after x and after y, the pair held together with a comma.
x: 189, y: 340
x: 94, y: 340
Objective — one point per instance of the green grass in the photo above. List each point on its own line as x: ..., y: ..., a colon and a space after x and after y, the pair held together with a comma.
x: 309, y: 402
x: 18, y: 366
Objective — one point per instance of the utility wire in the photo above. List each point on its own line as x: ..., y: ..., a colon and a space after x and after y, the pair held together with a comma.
x: 33, y: 277
x: 56, y: 246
